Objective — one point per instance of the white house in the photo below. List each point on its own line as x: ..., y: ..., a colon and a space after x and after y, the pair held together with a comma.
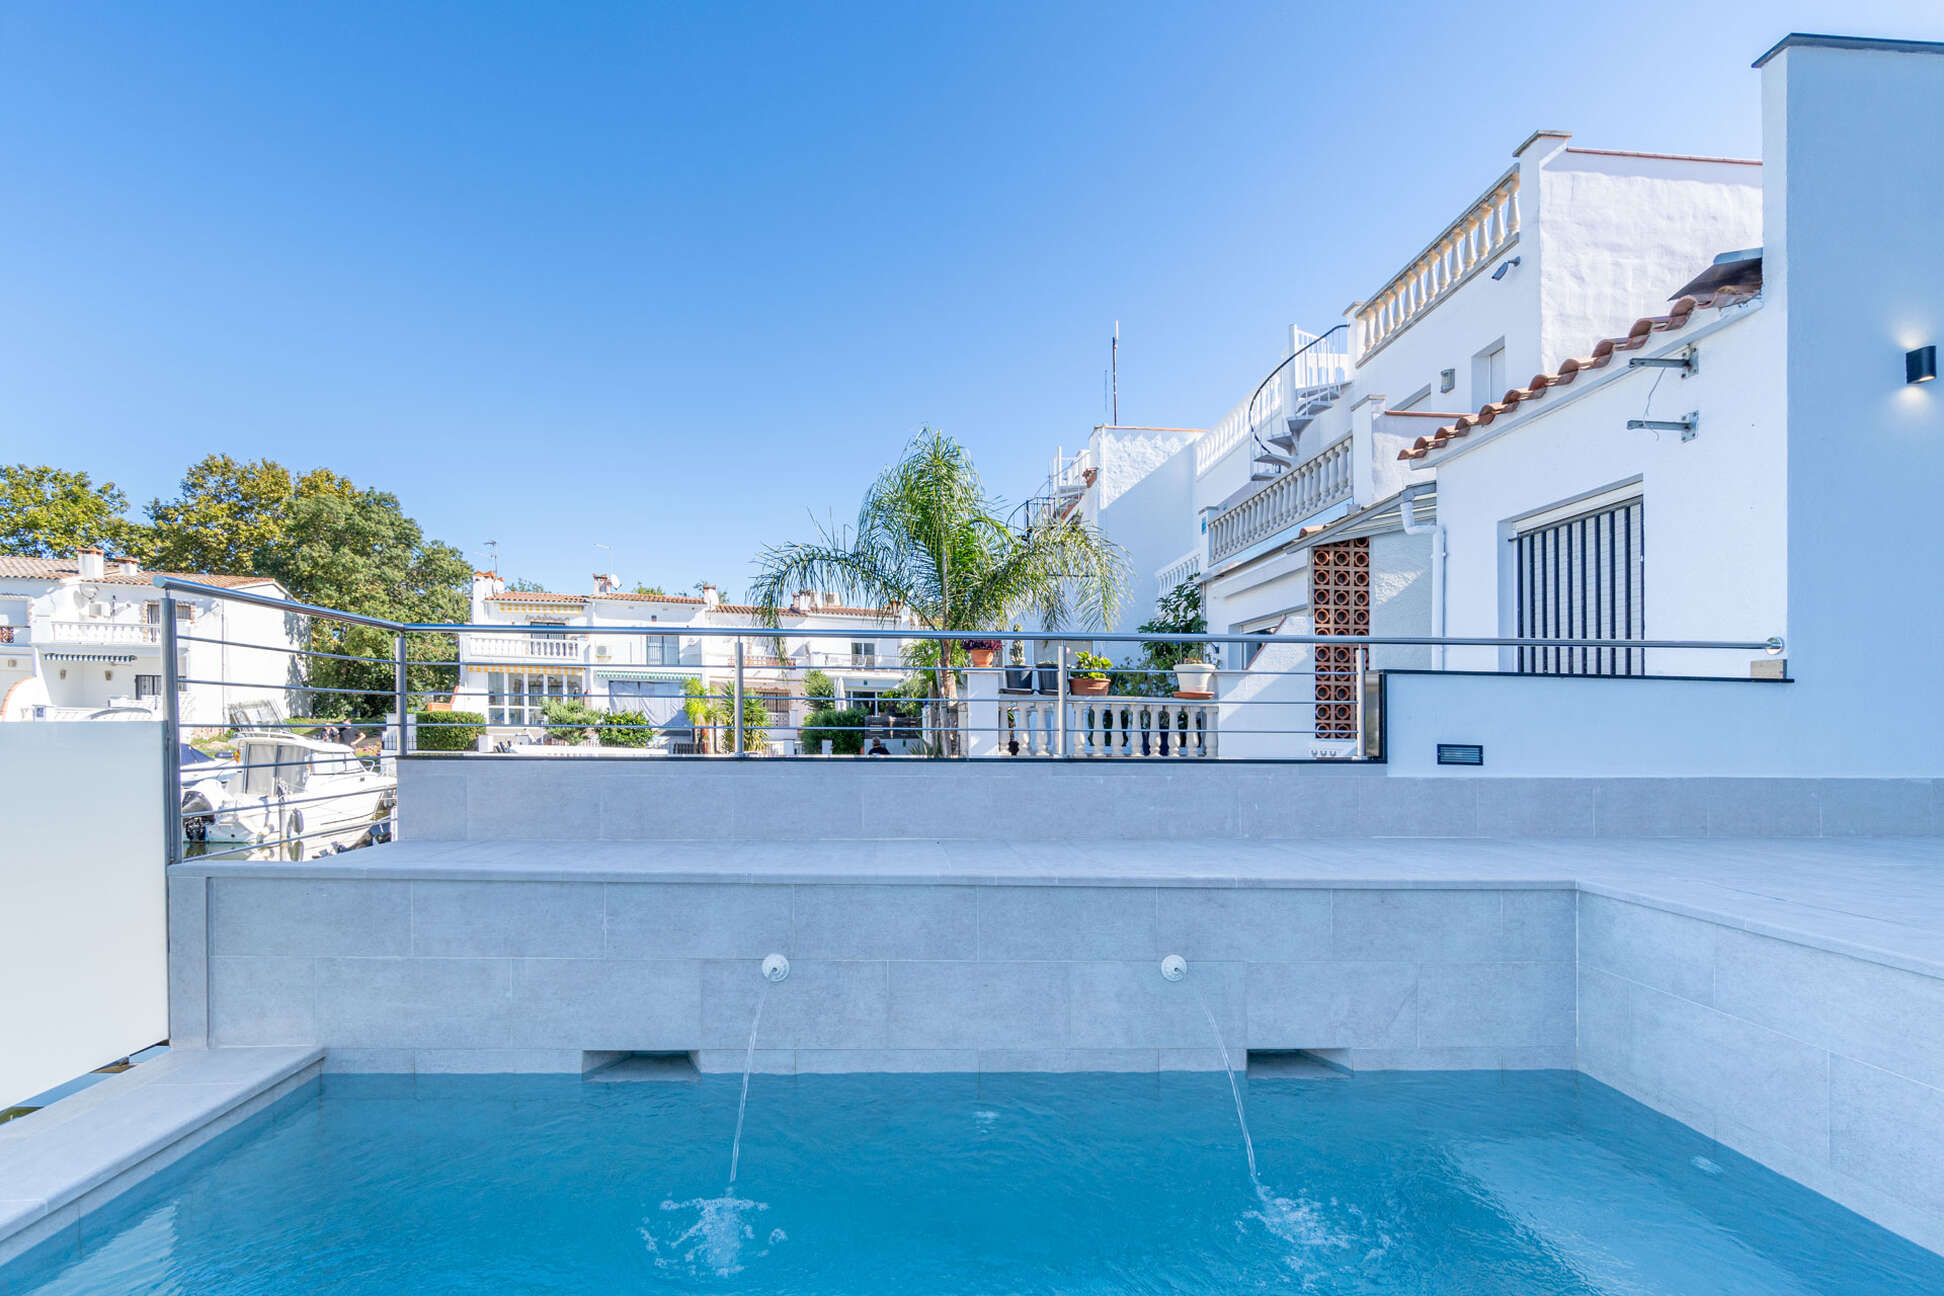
x: 81, y: 638
x: 555, y: 647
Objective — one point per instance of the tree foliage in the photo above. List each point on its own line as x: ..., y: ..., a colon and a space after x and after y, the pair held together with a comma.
x: 1179, y: 611
x: 48, y: 512
x: 226, y: 514
x: 929, y: 537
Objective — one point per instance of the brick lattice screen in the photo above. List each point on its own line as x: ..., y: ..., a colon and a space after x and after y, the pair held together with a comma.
x: 1339, y: 605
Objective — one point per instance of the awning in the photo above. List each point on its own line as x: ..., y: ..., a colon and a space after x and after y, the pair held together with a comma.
x: 622, y: 673
x: 106, y: 659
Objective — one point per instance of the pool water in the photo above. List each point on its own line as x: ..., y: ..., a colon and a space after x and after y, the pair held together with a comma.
x: 1509, y: 1184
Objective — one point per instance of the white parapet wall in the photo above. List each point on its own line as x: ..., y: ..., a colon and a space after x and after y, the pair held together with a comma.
x: 83, y: 931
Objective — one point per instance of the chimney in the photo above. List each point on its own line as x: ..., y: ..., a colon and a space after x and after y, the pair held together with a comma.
x: 127, y: 567
x: 830, y: 598
x: 710, y: 598
x: 805, y: 601
x: 89, y: 564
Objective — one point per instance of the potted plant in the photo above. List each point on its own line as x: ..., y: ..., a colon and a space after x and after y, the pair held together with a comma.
x: 1194, y: 678
x: 983, y: 651
x: 1089, y: 673
x: 1019, y: 676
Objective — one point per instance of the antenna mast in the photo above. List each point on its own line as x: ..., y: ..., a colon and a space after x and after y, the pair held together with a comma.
x: 1116, y: 373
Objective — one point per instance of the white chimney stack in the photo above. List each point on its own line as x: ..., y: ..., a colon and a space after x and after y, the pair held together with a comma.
x: 88, y: 562
x: 710, y: 598
x: 127, y: 567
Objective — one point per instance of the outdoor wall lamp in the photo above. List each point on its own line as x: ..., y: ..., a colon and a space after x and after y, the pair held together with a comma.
x: 1920, y: 365
x: 1504, y: 266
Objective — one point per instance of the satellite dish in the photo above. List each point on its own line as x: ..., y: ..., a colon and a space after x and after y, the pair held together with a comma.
x: 90, y: 592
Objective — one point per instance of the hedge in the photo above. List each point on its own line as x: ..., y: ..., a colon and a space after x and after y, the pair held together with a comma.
x: 626, y: 729
x: 845, y: 729
x: 449, y: 730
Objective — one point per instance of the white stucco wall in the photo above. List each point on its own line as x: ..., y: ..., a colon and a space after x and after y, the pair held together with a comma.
x: 1856, y: 281
x: 1714, y: 514
x: 83, y: 932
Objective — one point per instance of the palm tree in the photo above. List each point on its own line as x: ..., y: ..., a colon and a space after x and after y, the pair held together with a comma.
x: 929, y: 538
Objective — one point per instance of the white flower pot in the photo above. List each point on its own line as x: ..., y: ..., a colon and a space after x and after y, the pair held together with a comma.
x: 1194, y: 677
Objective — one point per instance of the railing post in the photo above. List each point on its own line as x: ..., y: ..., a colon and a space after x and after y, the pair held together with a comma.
x: 738, y: 702
x: 171, y: 737
x: 1060, y: 706
x: 401, y: 691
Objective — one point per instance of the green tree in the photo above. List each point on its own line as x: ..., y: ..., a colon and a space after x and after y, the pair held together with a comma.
x: 929, y: 537
x: 226, y: 514
x: 652, y: 591
x: 1179, y: 611
x: 50, y: 512
x: 521, y: 585
x: 355, y: 550
x: 819, y: 687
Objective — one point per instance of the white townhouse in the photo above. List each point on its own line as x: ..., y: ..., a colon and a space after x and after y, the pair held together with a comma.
x: 1295, y: 513
x: 554, y: 647
x: 81, y: 638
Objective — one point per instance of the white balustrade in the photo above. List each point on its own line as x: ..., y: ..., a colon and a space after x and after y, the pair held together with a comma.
x: 1317, y: 483
x: 1478, y: 236
x: 1186, y: 567
x: 1109, y: 728
x: 511, y: 647
x: 103, y: 631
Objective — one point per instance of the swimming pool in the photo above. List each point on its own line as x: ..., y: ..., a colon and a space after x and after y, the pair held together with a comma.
x: 1513, y: 1183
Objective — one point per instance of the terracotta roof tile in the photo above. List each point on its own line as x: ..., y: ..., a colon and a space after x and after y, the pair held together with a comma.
x: 16, y: 568
x: 1602, y: 354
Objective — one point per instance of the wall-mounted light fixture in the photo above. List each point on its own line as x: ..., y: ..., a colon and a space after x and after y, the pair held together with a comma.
x: 1920, y: 365
x: 1504, y: 268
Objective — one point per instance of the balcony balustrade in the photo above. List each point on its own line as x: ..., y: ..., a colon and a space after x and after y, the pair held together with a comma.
x: 1109, y: 728
x: 1317, y: 483
x: 525, y: 647
x: 100, y: 630
x: 1487, y: 228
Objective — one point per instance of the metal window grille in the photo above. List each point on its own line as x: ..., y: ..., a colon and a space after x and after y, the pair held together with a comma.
x: 1583, y: 578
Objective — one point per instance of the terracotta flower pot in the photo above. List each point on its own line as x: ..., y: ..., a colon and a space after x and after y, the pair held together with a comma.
x: 983, y: 656
x: 1086, y: 686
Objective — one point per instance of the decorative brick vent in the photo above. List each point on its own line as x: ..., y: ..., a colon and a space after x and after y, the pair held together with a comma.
x: 1339, y: 605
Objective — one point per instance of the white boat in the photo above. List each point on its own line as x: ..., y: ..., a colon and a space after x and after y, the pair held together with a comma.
x: 296, y: 797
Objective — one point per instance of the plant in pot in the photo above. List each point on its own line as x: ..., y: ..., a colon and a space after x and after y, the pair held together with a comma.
x: 1089, y: 673
x: 1194, y: 678
x: 1019, y: 676
x: 983, y: 651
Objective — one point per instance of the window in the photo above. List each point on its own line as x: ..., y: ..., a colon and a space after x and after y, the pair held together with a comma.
x: 1489, y: 378
x: 1583, y: 578
x: 661, y: 650
x: 517, y: 697
x: 147, y: 686
x: 659, y: 700
x: 863, y: 652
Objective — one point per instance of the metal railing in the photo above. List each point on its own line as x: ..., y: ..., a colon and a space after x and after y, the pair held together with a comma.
x: 321, y: 775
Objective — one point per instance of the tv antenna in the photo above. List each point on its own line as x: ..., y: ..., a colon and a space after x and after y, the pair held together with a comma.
x: 492, y: 555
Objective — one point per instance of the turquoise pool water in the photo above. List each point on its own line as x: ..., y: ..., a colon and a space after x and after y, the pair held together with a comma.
x: 1515, y: 1184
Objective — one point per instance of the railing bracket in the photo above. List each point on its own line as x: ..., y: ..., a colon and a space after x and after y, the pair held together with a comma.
x: 1689, y: 427
x: 1687, y: 360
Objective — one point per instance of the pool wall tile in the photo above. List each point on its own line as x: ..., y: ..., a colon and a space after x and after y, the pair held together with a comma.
x: 1668, y: 951
x: 826, y: 1003
x: 506, y: 919
x: 1118, y: 1005
x: 885, y: 922
x: 1497, y: 1005
x: 188, y: 960
x: 1066, y: 922
x: 262, y: 1000
x: 1236, y: 923
x: 696, y: 920
x: 980, y: 1005
x: 309, y: 916
x: 1436, y: 925
x: 1332, y: 1005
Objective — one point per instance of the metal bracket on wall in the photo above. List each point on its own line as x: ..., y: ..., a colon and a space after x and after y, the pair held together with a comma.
x: 1687, y: 360
x: 1689, y: 427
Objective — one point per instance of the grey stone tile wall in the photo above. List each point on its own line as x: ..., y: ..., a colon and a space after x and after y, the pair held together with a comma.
x: 398, y: 975
x: 1826, y: 1067
x: 444, y: 798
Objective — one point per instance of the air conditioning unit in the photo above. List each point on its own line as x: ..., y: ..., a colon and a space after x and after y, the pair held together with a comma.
x: 600, y: 652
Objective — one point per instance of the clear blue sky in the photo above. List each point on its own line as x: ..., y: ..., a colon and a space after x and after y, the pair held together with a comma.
x: 671, y: 279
